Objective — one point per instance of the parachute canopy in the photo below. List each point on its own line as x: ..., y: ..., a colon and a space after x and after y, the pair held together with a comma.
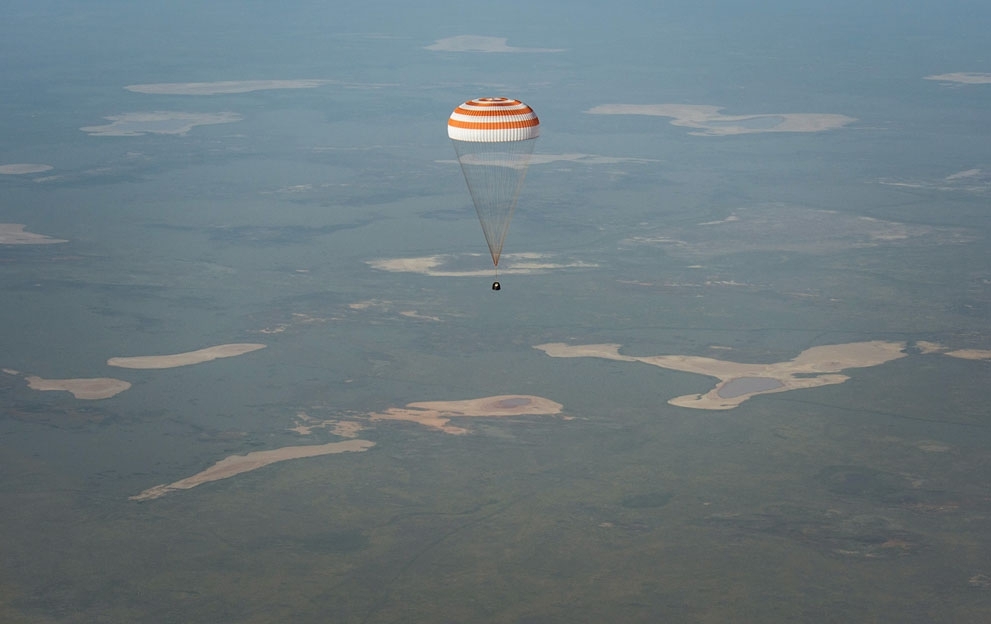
x: 494, y: 138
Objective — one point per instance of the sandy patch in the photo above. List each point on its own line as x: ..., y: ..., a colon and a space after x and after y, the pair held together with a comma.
x: 223, y: 86
x: 413, y: 314
x: 787, y: 227
x: 933, y: 446
x: 90, y: 389
x: 581, y: 159
x: 586, y: 159
x: 305, y: 424
x: 370, y: 304
x: 968, y: 78
x: 438, y: 414
x: 973, y: 180
x: 730, y: 219
x: 817, y: 366
x: 185, y: 359
x: 345, y: 428
x: 22, y: 168
x: 159, y: 122
x: 960, y: 175
x: 237, y: 464
x: 478, y: 43
x: 296, y: 319
x: 710, y: 122
x: 509, y: 264
x: 383, y: 306
x: 14, y: 234
x: 927, y: 347
x: 970, y: 354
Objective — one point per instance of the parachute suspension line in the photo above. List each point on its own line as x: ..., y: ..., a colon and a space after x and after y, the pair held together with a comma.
x: 494, y: 139
x: 494, y: 173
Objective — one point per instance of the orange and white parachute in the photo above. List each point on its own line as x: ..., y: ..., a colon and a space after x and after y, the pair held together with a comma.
x: 493, y: 120
x: 494, y: 138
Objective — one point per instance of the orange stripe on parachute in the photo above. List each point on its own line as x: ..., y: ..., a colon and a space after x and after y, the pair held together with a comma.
x: 487, y: 113
x: 497, y: 125
x: 493, y: 102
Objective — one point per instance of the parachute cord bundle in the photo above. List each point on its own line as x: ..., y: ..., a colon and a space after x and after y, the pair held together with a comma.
x: 494, y: 139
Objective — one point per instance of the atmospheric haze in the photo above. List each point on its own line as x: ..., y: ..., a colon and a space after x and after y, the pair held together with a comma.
x: 253, y: 370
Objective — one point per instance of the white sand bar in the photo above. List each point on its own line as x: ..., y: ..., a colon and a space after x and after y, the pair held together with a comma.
x: 185, y: 359
x: 237, y: 464
x: 817, y: 366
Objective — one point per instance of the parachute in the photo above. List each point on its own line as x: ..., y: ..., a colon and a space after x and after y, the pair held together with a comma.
x: 494, y: 138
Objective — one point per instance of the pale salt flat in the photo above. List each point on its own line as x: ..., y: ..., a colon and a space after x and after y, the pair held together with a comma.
x: 814, y: 367
x: 967, y: 78
x: 438, y: 414
x: 546, y: 159
x: 970, y: 354
x: 158, y: 122
x: 510, y: 264
x: 709, y: 121
x: 479, y: 43
x: 14, y: 234
x: 23, y: 168
x: 89, y: 389
x: 223, y: 86
x: 185, y: 359
x: 237, y: 464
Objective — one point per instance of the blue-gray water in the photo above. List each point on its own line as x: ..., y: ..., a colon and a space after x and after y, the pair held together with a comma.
x: 861, y: 501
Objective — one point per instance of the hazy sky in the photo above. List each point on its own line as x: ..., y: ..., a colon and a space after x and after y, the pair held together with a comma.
x: 719, y: 187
